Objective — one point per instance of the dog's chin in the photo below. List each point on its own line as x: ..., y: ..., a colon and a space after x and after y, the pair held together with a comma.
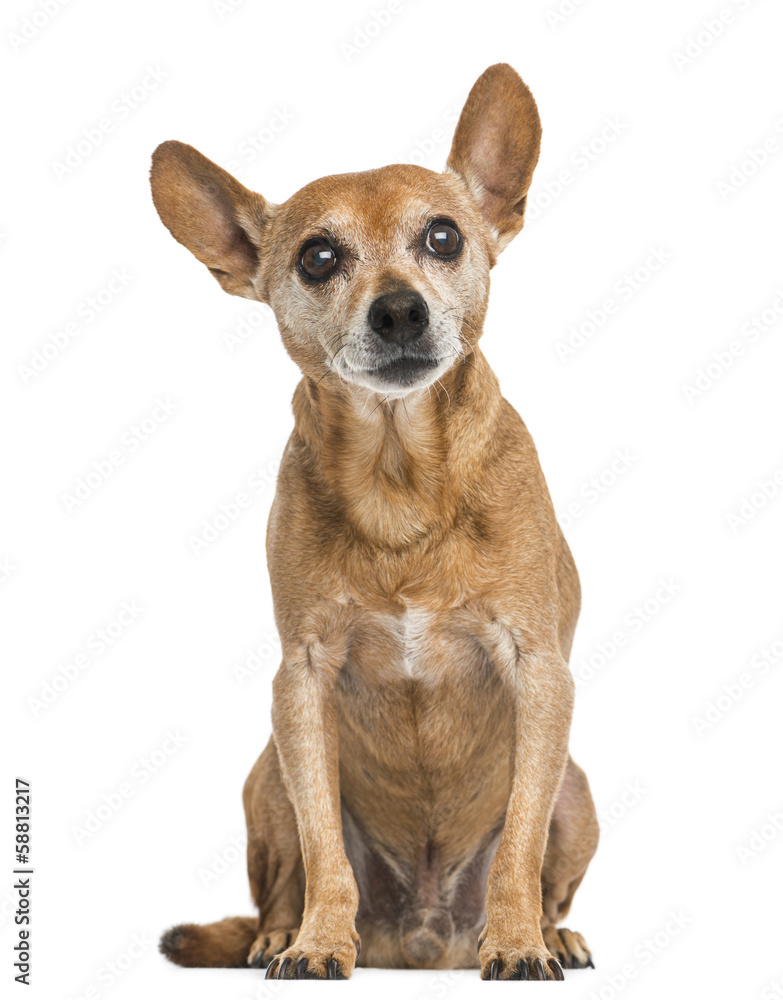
x: 398, y: 377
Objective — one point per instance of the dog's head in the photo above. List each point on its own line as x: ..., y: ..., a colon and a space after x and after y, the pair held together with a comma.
x: 381, y: 277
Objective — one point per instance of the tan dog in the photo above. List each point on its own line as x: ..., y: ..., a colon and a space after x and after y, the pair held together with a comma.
x: 417, y: 789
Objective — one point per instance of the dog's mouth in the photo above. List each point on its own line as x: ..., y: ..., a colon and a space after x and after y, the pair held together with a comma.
x: 403, y: 372
x: 395, y: 376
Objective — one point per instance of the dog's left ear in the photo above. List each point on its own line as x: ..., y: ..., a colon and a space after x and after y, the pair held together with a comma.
x: 496, y: 146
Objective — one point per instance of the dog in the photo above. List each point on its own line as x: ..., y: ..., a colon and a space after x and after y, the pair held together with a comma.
x: 416, y: 805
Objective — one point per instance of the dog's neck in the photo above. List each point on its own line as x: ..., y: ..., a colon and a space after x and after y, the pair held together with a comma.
x: 400, y: 469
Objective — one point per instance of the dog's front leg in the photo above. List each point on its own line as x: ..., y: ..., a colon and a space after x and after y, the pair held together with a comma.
x: 542, y: 690
x: 305, y: 729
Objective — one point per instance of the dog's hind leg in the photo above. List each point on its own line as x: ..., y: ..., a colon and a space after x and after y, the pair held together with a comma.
x: 276, y: 873
x: 274, y: 859
x: 573, y: 838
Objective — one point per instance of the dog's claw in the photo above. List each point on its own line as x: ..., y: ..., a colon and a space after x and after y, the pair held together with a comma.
x: 527, y: 969
x: 300, y: 969
x: 258, y: 961
x: 590, y: 962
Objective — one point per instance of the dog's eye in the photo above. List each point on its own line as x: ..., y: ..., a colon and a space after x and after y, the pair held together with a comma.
x: 317, y: 260
x: 443, y: 238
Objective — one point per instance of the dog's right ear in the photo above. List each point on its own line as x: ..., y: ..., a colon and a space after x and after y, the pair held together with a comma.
x: 207, y: 210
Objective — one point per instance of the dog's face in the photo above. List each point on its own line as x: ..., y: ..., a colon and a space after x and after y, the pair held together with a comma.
x: 384, y: 273
x: 382, y: 277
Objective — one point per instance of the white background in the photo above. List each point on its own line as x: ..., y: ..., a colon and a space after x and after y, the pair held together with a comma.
x: 684, y: 804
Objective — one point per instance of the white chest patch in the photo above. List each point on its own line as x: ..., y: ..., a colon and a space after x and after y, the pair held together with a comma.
x: 415, y: 628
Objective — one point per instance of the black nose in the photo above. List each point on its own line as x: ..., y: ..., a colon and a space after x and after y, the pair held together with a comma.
x: 399, y: 317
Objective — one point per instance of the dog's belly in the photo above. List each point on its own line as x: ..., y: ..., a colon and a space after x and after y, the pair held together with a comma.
x: 425, y: 738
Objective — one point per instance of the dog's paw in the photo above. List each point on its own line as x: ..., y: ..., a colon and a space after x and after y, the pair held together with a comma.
x: 268, y: 944
x: 516, y: 961
x: 312, y: 959
x: 569, y: 947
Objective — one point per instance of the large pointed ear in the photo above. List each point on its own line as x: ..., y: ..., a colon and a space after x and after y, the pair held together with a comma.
x: 495, y: 148
x: 219, y: 220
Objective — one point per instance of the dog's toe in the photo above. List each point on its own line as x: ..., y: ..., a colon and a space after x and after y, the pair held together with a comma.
x: 309, y: 960
x: 518, y: 962
x: 570, y: 948
x: 268, y: 944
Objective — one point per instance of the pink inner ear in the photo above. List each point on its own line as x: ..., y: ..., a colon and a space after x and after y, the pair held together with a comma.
x: 224, y: 237
x: 499, y: 164
x: 496, y: 182
x: 491, y: 162
x: 496, y: 146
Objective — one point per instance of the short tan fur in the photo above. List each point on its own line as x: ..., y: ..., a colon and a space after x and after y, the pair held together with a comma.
x: 417, y: 794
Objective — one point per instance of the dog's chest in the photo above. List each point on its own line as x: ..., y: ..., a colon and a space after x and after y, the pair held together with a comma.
x: 417, y: 644
x: 422, y: 709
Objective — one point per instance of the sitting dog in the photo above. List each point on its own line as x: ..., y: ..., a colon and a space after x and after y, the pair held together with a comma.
x: 417, y: 797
